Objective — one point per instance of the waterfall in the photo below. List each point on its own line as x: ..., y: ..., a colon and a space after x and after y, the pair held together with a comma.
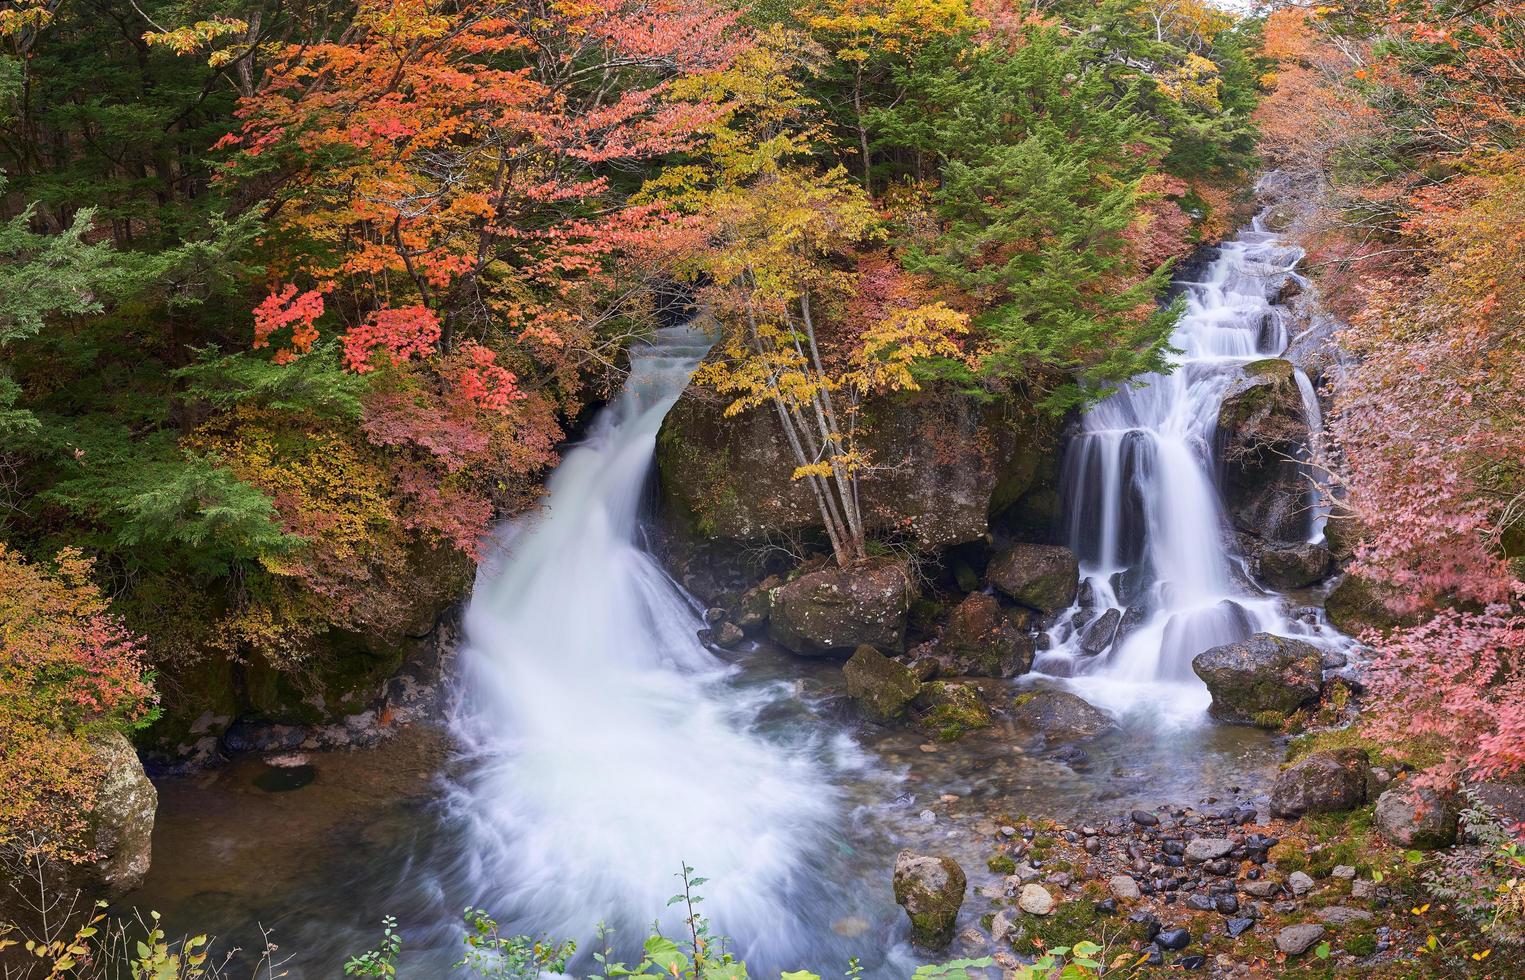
x: 1145, y: 516
x: 603, y: 745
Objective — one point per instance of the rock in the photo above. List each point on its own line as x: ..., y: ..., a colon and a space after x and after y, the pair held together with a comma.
x: 1207, y: 849
x: 1261, y: 889
x: 1342, y: 915
x: 1416, y: 817
x: 1363, y: 890
x: 1098, y: 636
x: 1060, y: 716
x: 1343, y: 871
x: 1262, y: 432
x: 725, y: 634
x: 729, y: 478
x: 980, y: 641
x: 1040, y: 576
x: 931, y: 890
x: 1173, y: 939
x: 1193, y: 961
x: 1144, y: 818
x: 1002, y: 928
x: 1035, y: 900
x: 1124, y: 888
x: 1324, y: 782
x: 838, y: 609
x: 1261, y: 680
x: 118, y: 828
x: 951, y: 711
x: 751, y: 610
x: 1238, y: 927
x: 883, y: 688
x: 1357, y: 605
x: 1290, y: 566
x: 1300, y: 883
x: 1296, y: 940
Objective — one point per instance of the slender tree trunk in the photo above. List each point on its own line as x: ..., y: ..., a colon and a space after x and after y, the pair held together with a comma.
x: 862, y: 127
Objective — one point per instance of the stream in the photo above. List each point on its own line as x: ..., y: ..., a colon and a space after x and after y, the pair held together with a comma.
x: 594, y: 746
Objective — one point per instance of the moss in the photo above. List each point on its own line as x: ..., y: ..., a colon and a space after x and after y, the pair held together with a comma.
x: 1270, y: 367
x: 1023, y: 698
x: 1289, y: 856
x: 1002, y: 864
x: 955, y: 711
x: 1361, y: 944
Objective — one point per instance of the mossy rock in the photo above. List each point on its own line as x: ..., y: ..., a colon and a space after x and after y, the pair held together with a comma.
x: 951, y: 711
x: 1357, y: 605
x: 882, y: 687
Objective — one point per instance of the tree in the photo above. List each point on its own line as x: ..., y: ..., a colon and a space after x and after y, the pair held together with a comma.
x: 779, y: 230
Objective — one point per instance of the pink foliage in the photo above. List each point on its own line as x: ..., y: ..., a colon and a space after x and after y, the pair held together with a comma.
x: 401, y: 333
x: 402, y: 419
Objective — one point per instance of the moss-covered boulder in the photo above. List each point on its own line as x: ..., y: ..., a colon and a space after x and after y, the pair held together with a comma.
x: 1060, y: 716
x: 930, y: 887
x: 1358, y: 604
x: 1261, y: 680
x: 980, y: 640
x: 1323, y: 782
x: 1262, y: 434
x: 882, y: 687
x: 835, y: 610
x: 1284, y: 566
x: 950, y: 462
x: 1044, y: 577
x: 1417, y: 817
x: 949, y: 711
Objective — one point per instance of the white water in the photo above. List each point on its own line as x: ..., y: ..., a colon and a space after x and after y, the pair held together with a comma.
x: 603, y: 745
x: 1146, y: 518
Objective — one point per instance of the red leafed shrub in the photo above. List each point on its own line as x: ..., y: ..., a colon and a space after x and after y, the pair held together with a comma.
x: 401, y: 334
x: 69, y: 671
x: 288, y: 308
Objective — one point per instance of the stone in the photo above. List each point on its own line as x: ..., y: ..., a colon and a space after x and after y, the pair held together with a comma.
x: 931, y: 890
x: 1192, y: 961
x: 1290, y: 566
x: 1098, y: 636
x: 1416, y: 817
x: 1040, y: 576
x: 1173, y: 939
x: 1323, y: 782
x: 1262, y: 432
x: 730, y: 478
x: 1144, y: 818
x: 1343, y: 871
x: 950, y: 711
x: 1002, y: 928
x: 1363, y: 890
x: 1261, y: 889
x: 1035, y: 900
x: 1226, y: 903
x: 1060, y: 715
x: 1342, y: 915
x: 979, y: 640
x: 726, y: 634
x: 1207, y: 849
x: 1261, y: 680
x: 1357, y: 605
x: 1297, y: 940
x: 1124, y: 888
x: 1300, y: 883
x: 834, y: 610
x: 1238, y: 927
x: 751, y: 610
x: 882, y: 687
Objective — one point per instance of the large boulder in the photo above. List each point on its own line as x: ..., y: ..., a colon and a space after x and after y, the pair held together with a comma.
x: 1416, y: 816
x: 730, y: 478
x: 834, y: 610
x: 980, y: 640
x: 119, y: 833
x: 1261, y: 680
x: 931, y: 890
x: 1262, y: 434
x: 1289, y: 566
x: 1060, y: 716
x: 1357, y: 605
x: 1324, y: 782
x: 882, y: 687
x: 1044, y: 577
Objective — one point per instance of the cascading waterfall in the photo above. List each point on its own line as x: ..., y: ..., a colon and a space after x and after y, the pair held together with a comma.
x: 603, y: 745
x: 1146, y: 519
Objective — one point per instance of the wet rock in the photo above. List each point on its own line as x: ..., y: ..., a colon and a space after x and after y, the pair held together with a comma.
x: 1290, y: 566
x: 1039, y: 576
x: 979, y: 640
x: 1262, y: 431
x: 883, y: 688
x: 1098, y: 636
x: 723, y: 634
x: 751, y: 610
x: 1207, y: 849
x: 1357, y: 605
x: 1035, y: 900
x: 931, y: 890
x: 950, y: 711
x: 1060, y: 716
x: 835, y: 609
x: 1416, y: 817
x: 1261, y: 680
x: 1324, y: 782
x: 1144, y: 818
x: 1124, y: 888
x: 1297, y: 940
x: 1002, y: 929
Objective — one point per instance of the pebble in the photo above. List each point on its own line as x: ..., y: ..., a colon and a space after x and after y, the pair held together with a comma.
x: 1225, y: 904
x: 1296, y: 940
x: 1173, y: 939
x: 1001, y: 926
x: 1124, y: 888
x: 1343, y: 915
x: 927, y: 816
x: 1300, y: 883
x: 1153, y: 956
x: 1144, y: 818
x: 1035, y: 900
x: 1261, y: 889
x: 1200, y: 903
x: 1363, y: 889
x: 1008, y: 831
x: 1208, y: 849
x: 1344, y: 871
x: 1238, y: 927
x: 1193, y: 961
